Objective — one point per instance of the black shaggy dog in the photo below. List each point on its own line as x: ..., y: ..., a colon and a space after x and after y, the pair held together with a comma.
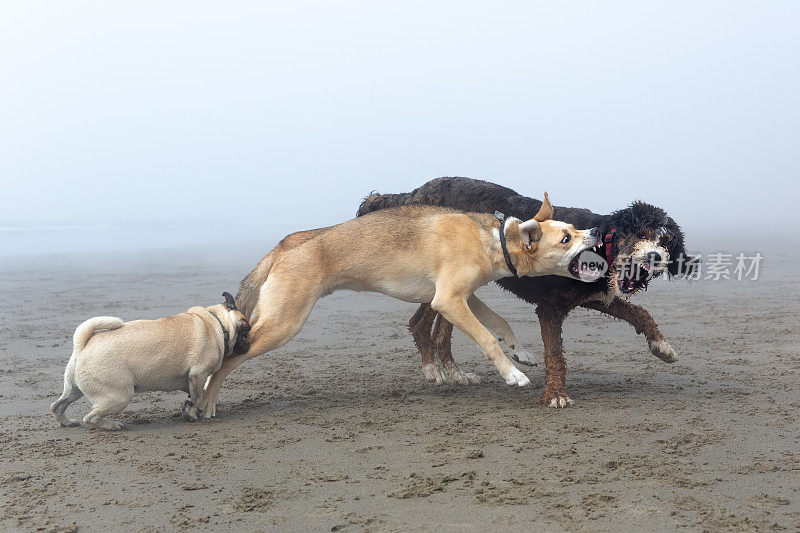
x: 639, y: 243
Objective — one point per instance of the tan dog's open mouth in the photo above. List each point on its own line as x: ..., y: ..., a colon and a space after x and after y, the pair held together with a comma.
x: 575, y: 265
x: 588, y: 265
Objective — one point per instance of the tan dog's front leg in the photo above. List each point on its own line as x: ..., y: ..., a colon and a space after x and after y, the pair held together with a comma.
x: 454, y: 308
x: 501, y: 329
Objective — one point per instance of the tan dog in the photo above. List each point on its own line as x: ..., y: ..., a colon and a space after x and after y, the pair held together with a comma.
x: 112, y: 359
x: 413, y: 253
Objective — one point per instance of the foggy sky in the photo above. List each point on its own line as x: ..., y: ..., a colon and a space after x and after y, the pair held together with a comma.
x: 293, y: 111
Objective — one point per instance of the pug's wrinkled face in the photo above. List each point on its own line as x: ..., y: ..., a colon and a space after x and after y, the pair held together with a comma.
x: 238, y: 324
x: 241, y: 329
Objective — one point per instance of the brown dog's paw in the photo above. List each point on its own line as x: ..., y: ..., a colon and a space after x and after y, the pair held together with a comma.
x: 458, y: 376
x: 433, y: 373
x: 556, y: 399
x: 663, y: 351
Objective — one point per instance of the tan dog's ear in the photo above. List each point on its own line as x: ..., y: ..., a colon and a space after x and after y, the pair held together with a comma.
x: 546, y: 211
x: 529, y: 232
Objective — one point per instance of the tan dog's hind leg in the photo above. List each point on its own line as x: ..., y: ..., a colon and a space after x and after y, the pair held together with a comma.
x: 267, y: 337
x: 283, y: 308
x: 454, y: 308
x: 420, y: 327
x: 501, y: 329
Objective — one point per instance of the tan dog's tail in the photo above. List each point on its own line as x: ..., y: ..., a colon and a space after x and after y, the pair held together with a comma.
x: 88, y: 328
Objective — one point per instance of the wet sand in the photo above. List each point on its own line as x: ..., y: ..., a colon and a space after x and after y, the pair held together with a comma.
x: 338, y: 430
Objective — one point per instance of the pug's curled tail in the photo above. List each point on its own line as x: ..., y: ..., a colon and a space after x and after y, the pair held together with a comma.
x: 88, y: 328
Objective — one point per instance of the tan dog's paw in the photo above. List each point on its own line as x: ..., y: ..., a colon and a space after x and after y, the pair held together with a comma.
x: 207, y: 407
x: 556, y: 400
x: 433, y: 373
x: 525, y: 357
x: 663, y: 351
x: 210, y: 411
x: 456, y: 375
x: 516, y: 377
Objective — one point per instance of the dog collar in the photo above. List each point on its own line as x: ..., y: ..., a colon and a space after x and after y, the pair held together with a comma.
x: 502, y: 218
x: 226, y: 336
x: 609, y: 244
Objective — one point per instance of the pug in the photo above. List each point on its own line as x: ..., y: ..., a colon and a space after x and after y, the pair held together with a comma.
x: 112, y: 360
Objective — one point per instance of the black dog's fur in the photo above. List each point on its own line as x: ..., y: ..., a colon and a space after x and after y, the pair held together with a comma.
x: 557, y: 296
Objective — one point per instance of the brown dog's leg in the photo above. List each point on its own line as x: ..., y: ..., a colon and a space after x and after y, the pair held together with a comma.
x: 420, y: 326
x: 551, y: 321
x: 642, y: 322
x: 442, y: 340
x: 442, y: 336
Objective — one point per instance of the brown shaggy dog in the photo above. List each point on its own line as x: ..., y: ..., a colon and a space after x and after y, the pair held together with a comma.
x: 640, y: 242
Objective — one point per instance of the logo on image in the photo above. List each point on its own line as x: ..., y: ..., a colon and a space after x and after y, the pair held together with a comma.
x: 591, y: 266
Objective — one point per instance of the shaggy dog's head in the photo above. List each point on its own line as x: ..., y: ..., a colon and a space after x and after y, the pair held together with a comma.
x: 645, y: 244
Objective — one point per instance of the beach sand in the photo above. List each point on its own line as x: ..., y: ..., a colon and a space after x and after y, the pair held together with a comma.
x: 338, y: 430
